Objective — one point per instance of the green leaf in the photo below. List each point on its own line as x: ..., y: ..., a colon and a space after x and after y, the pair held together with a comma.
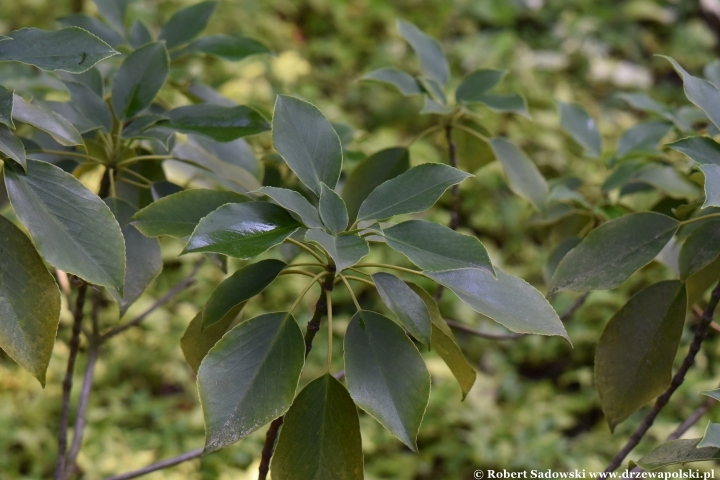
x: 700, y: 249
x: 249, y: 377
x: 49, y: 122
x: 69, y: 113
x: 307, y: 142
x: 614, y: 251
x: 711, y: 437
x: 320, y: 438
x: 405, y: 83
x: 667, y: 179
x: 386, y: 375
x: 187, y: 23
x: 114, y: 12
x: 237, y: 152
x: 513, y: 103
x: 476, y: 84
x: 712, y: 393
x: 238, y: 288
x: 11, y: 146
x: 434, y: 92
x: 430, y: 106
x: 371, y: 173
x: 90, y: 104
x: 139, y: 79
x: 139, y: 34
x: 178, y: 214
x: 227, y: 47
x: 582, y: 127
x: 413, y: 191
x: 229, y: 175
x: 346, y: 250
x: 678, y: 451
x: 72, y: 228
x: 143, y: 259
x: 6, y: 107
x: 507, y: 299
x: 524, y: 178
x: 634, y: 357
x: 94, y: 26
x: 643, y: 138
x: 196, y: 343
x: 242, y: 230
x: 432, y: 58
x: 704, y: 150
x: 405, y: 304
x: 332, y: 210
x: 217, y: 121
x: 435, y: 247
x: 712, y: 185
x: 558, y: 254
x: 700, y: 92
x: 29, y: 302
x: 71, y: 49
x: 296, y: 203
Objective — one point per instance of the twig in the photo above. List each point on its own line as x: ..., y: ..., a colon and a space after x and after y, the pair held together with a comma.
x: 177, y: 289
x: 153, y: 467
x: 67, y: 383
x: 677, y: 380
x: 574, y: 307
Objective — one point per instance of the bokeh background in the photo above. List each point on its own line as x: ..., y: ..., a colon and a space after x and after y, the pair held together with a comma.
x: 534, y: 404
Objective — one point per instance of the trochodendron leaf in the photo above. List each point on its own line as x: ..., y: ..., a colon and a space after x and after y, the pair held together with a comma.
x: 187, y: 23
x: 227, y: 47
x: 405, y: 304
x: 582, y: 127
x: 346, y: 250
x: 296, y: 203
x: 218, y: 122
x: 700, y: 249
x: 332, y: 210
x: 476, y: 84
x: 405, y: 83
x: 524, y: 178
x: 432, y: 58
x: 49, y: 122
x: 704, y: 150
x: 139, y: 79
x: 712, y: 185
x: 6, y: 107
x: 699, y: 91
x: 711, y: 437
x: 678, y: 451
x: 11, y: 146
x: 196, y: 342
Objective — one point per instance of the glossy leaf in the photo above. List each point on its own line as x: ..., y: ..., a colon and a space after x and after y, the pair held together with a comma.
x: 139, y: 79
x: 49, y: 122
x: 413, y: 191
x: 386, y: 375
x: 524, y: 178
x: 101, y: 30
x: 11, y: 146
x: 712, y: 185
x: 704, y: 150
x: 178, y: 214
x: 700, y: 92
x: 432, y: 58
x: 678, y: 452
x: 90, y: 104
x: 72, y: 228
x: 6, y: 107
x: 405, y: 83
x: 249, y: 377
x: 307, y: 142
x: 405, y: 304
x: 216, y: 121
x: 187, y: 23
x: 296, y: 203
x: 700, y: 249
x: 71, y: 49
x: 346, y: 250
x: 476, y: 84
x: 228, y: 47
x: 196, y: 343
x: 320, y: 438
x: 507, y: 299
x: 635, y: 354
x: 242, y: 230
x: 239, y: 287
x: 643, y: 138
x: 435, y: 247
x: 332, y: 210
x: 114, y: 12
x: 29, y: 302
x: 582, y: 127
x: 371, y: 173
x: 614, y: 251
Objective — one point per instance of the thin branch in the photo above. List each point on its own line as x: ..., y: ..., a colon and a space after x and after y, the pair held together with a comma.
x: 677, y: 380
x: 154, y: 467
x: 455, y: 192
x: 306, y: 248
x: 574, y: 307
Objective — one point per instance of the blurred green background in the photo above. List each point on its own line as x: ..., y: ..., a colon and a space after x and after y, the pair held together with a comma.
x: 534, y: 404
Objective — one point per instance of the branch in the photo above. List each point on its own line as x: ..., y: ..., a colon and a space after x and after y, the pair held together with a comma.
x: 182, y: 285
x: 153, y: 467
x: 452, y: 157
x: 67, y: 383
x: 574, y: 307
x: 677, y: 380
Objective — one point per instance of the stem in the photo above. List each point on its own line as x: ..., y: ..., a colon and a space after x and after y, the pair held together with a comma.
x: 306, y: 248
x: 67, y: 383
x: 358, y: 279
x: 699, y: 219
x: 291, y: 271
x: 455, y: 192
x: 472, y: 132
x: 391, y: 267
x: 306, y: 265
x: 574, y: 307
x: 140, y: 158
x: 328, y: 298
x: 692, y: 419
x: 268, y: 447
x: 424, y: 133
x: 677, y: 380
x: 306, y: 290
x: 352, y: 294
x: 111, y: 179
x: 154, y: 467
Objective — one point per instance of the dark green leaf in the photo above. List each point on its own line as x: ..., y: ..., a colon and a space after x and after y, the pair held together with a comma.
x: 507, y: 299
x: 434, y: 247
x: 240, y: 287
x: 114, y: 12
x: 196, y: 343
x: 242, y: 230
x: 307, y: 142
x: 217, y: 122
x: 643, y: 138
x: 711, y: 437
x: 332, y: 210
x: 582, y: 127
x: 405, y: 304
x: 187, y: 23
x: 72, y: 228
x: 226, y: 174
x: 434, y: 92
x: 90, y: 104
x: 386, y: 375
x: 11, y: 146
x: 296, y: 203
x: 71, y: 49
x: 320, y: 438
x: 678, y: 451
x: 94, y: 26
x: 90, y: 77
x: 432, y: 58
x: 712, y: 393
x: 6, y: 107
x: 476, y: 84
x: 667, y: 179
x: 49, y: 122
x: 524, y: 178
x: 140, y: 123
x: 139, y: 34
x: 371, y: 173
x: 236, y: 152
x: 29, y: 302
x: 634, y: 357
x: 430, y: 106
x: 704, y: 150
x: 712, y: 185
x: 227, y: 47
x: 614, y: 251
x: 505, y: 103
x: 700, y: 92
x: 66, y: 110
x: 700, y: 249
x: 558, y: 254
x: 140, y: 77
x: 346, y: 249
x: 413, y: 191
x: 405, y: 83
x: 249, y: 377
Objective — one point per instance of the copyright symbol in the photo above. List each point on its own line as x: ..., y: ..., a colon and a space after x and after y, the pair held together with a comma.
x: 478, y: 474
